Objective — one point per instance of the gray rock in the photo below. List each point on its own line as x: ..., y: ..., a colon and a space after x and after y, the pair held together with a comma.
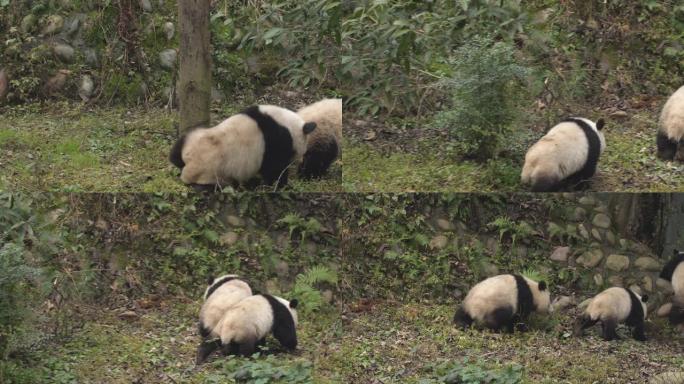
x: 167, y: 58
x: 601, y: 220
x: 562, y: 302
x: 490, y: 269
x: 28, y: 23
x: 595, y: 233
x: 72, y: 24
x: 493, y: 244
x: 636, y: 289
x: 664, y: 310
x: 647, y: 264
x: 664, y: 286
x: 439, y: 242
x: 583, y: 231
x: 610, y: 237
x: 590, y: 259
x: 560, y: 254
x: 617, y: 263
x: 587, y: 200
x: 580, y: 214
x: 624, y: 244
x: 282, y: 269
x: 53, y: 25
x: 235, y: 221
x: 615, y: 281
x: 64, y: 52
x: 169, y: 30
x: 601, y: 208
x: 86, y: 87
x: 91, y: 57
x: 229, y: 238
x: 647, y: 282
x: 146, y: 5
x: 327, y: 296
x: 444, y: 225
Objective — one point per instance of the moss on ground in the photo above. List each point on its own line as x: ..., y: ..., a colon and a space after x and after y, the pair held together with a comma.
x: 628, y: 164
x: 71, y: 148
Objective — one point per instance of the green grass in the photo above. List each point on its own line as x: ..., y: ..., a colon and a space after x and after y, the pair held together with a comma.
x: 629, y: 164
x: 100, y: 150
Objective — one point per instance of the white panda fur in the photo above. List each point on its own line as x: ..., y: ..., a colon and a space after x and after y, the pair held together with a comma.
x: 502, y: 301
x: 262, y: 139
x: 612, y: 306
x: 324, y: 144
x: 670, y: 139
x: 673, y: 272
x: 566, y: 156
x: 221, y: 294
x: 245, y: 326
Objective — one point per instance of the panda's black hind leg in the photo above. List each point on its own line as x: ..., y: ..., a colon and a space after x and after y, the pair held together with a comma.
x: 609, y: 329
x: 501, y: 319
x: 462, y: 318
x: 248, y: 348
x: 638, y: 332
x: 583, y: 323
x: 666, y: 147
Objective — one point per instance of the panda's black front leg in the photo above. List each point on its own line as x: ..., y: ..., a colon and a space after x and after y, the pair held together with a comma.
x: 462, y: 318
x: 248, y: 347
x: 609, y: 327
x: 638, y: 331
x: 205, y: 349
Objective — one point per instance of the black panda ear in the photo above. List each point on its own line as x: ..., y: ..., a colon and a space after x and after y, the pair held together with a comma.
x: 294, y: 303
x: 542, y: 285
x: 644, y: 298
x: 309, y: 127
x: 600, y: 123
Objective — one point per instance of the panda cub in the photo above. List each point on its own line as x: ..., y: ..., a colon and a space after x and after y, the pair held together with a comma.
x: 323, y: 145
x: 670, y: 138
x: 245, y: 326
x: 500, y: 302
x: 222, y: 293
x: 673, y: 272
x: 263, y: 139
x: 565, y: 157
x: 612, y: 306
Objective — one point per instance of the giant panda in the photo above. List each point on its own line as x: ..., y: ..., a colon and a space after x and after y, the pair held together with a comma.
x: 566, y: 156
x: 262, y: 139
x: 500, y: 302
x: 324, y: 144
x: 245, y: 326
x: 612, y: 306
x: 670, y: 138
x: 221, y: 294
x: 673, y: 272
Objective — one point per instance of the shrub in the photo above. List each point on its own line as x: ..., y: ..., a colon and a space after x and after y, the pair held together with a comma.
x: 486, y: 93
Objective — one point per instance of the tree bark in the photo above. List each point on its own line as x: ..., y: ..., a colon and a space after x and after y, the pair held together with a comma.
x: 194, y: 91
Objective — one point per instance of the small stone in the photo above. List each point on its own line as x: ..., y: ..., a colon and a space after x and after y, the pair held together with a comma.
x: 72, y: 24
x: 234, y: 221
x: 617, y: 263
x: 562, y: 302
x: 169, y: 30
x: 129, y: 315
x: 458, y: 294
x: 647, y: 264
x: 272, y: 285
x: 636, y: 289
x: 587, y: 200
x: 444, y: 225
x: 53, y: 25
x: 282, y: 269
x: 583, y: 231
x: 598, y: 280
x: 615, y: 281
x: 91, y: 57
x: 64, y: 52
x: 601, y: 220
x: 229, y: 238
x: 601, y: 208
x: 610, y: 237
x: 590, y: 259
x: 86, y: 87
x: 580, y: 214
x: 584, y: 303
x: 595, y: 233
x: 647, y: 282
x: 167, y: 58
x: 490, y: 269
x: 624, y: 244
x: 146, y: 5
x: 664, y: 285
x: 664, y: 310
x: 56, y: 82
x: 439, y: 242
x: 560, y: 254
x: 28, y: 23
x: 493, y: 244
x: 327, y: 296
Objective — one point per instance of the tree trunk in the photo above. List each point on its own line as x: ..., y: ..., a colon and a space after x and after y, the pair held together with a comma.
x: 194, y: 91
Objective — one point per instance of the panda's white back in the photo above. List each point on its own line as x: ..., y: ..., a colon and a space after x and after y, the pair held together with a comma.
x: 250, y: 318
x: 678, y: 280
x: 613, y: 302
x: 672, y: 116
x: 494, y: 292
x: 221, y: 300
x: 232, y: 150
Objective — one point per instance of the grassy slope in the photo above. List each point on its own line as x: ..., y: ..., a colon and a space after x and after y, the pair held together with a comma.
x: 104, y: 150
x: 389, y: 343
x: 628, y: 164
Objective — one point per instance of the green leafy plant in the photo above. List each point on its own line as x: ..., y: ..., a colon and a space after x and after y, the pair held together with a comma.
x: 304, y: 227
x: 466, y: 372
x: 507, y: 228
x: 305, y: 289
